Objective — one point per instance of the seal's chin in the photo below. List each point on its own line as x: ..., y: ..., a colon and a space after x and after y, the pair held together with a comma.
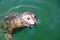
x: 32, y: 25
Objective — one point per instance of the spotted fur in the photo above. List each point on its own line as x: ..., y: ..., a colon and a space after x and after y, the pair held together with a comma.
x: 14, y: 20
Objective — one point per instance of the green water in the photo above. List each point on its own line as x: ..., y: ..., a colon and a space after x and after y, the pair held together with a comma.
x: 48, y: 11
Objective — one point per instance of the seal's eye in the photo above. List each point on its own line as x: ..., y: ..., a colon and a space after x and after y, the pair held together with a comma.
x: 28, y: 18
x: 35, y: 17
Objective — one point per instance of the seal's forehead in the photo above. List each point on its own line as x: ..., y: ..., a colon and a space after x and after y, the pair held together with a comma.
x: 28, y: 13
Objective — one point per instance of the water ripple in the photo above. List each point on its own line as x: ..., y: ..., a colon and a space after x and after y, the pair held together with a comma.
x: 29, y: 6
